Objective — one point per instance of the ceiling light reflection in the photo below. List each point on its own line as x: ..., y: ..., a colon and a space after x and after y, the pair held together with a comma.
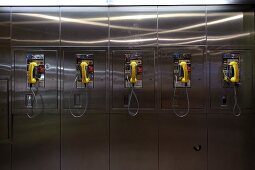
x: 226, y: 37
x: 85, y: 42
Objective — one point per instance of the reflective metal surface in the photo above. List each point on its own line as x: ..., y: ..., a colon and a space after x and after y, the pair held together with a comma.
x: 198, y: 82
x: 4, y: 109
x: 120, y: 93
x: 133, y: 142
x: 136, y: 26
x: 217, y: 91
x: 35, y: 26
x: 36, y: 143
x: 181, y: 25
x: 107, y: 138
x: 85, y: 140
x: 227, y: 25
x: 86, y: 26
x: 5, y: 26
x: 97, y: 94
x: 230, y: 141
x: 49, y: 92
x: 120, y: 2
x: 182, y: 142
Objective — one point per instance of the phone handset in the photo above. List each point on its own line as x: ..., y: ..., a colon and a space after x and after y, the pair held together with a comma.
x: 84, y: 73
x: 133, y: 80
x: 235, y: 78
x: 32, y: 79
x: 133, y: 65
x: 85, y: 79
x: 185, y: 76
x: 31, y: 69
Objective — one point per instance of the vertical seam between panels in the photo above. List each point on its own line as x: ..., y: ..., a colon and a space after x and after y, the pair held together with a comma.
x: 208, y: 105
x: 109, y: 92
x: 11, y: 87
x: 60, y: 90
x: 157, y: 92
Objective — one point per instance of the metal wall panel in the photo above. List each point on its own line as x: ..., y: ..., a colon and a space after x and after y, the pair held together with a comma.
x: 35, y: 26
x: 182, y: 142
x: 133, y: 142
x: 231, y: 142
x: 36, y: 142
x: 230, y: 25
x: 4, y: 109
x: 85, y: 142
x: 5, y: 156
x: 145, y: 94
x: 84, y: 26
x: 217, y: 91
x: 197, y: 91
x: 5, y: 26
x: 181, y: 25
x: 5, y: 146
x: 49, y: 93
x: 133, y: 26
x: 97, y: 94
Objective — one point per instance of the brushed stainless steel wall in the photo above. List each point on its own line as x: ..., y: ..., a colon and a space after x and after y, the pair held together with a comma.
x: 133, y: 140
x: 230, y: 29
x: 210, y: 137
x: 39, y: 137
x: 5, y: 87
x: 85, y: 140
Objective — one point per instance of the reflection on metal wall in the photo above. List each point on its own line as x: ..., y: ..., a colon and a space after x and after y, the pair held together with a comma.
x: 105, y: 87
x: 131, y: 27
x: 85, y: 26
x: 37, y: 26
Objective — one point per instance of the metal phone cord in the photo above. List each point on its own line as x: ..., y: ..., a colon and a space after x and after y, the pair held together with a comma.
x: 34, y: 102
x: 86, y: 100
x: 132, y: 93
x: 173, y: 100
x: 236, y: 105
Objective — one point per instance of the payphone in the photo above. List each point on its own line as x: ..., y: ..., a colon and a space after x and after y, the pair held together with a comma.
x: 84, y: 79
x: 181, y: 78
x: 231, y: 77
x: 133, y: 72
x: 35, y: 81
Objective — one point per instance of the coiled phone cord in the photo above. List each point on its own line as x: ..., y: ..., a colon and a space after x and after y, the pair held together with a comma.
x: 132, y: 93
x: 86, y: 100
x: 34, y: 102
x: 236, y: 105
x: 173, y: 100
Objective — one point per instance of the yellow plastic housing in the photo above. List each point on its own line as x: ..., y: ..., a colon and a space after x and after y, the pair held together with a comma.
x: 133, y: 65
x: 31, y: 67
x: 84, y: 77
x: 184, y: 67
x: 235, y: 78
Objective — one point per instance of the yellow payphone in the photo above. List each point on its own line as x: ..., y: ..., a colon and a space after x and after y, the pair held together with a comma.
x: 231, y: 77
x: 133, y: 78
x: 84, y: 79
x: 182, y: 73
x: 35, y: 80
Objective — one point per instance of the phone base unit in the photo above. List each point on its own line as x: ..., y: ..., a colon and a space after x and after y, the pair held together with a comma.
x: 181, y: 70
x: 138, y: 78
x: 85, y: 70
x: 231, y: 74
x: 35, y: 70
